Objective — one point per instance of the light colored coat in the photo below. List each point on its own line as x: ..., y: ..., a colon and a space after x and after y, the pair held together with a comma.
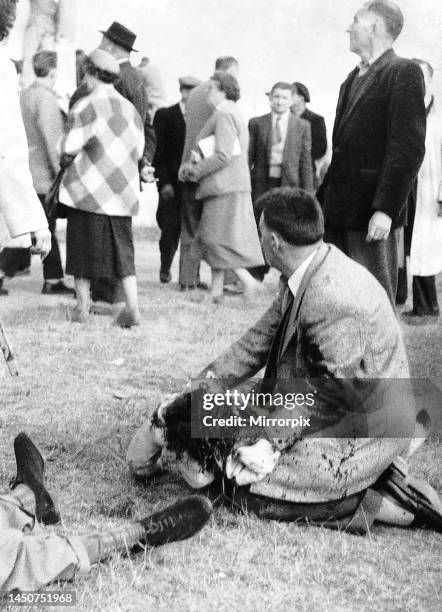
x: 341, y: 326
x: 426, y: 242
x: 20, y: 208
x: 224, y: 172
x: 44, y: 129
x: 198, y: 111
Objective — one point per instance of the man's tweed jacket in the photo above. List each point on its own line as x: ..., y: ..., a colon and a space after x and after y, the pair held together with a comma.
x: 44, y: 129
x: 296, y: 159
x: 341, y: 326
x: 105, y: 134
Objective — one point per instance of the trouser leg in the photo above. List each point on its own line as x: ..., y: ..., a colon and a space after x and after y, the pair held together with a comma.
x: 380, y: 257
x: 190, y: 253
x: 52, y: 268
x: 425, y: 295
x: 258, y: 272
x: 169, y: 222
x: 169, y: 241
x: 30, y: 561
x: 402, y: 280
x: 28, y: 558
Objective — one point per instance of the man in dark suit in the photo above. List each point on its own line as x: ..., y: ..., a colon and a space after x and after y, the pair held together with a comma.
x: 170, y: 131
x: 279, y: 151
x: 332, y: 331
x: 118, y: 41
x: 378, y: 146
x: 300, y: 99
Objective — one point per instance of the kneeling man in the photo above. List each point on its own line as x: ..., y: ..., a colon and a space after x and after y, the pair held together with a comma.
x: 332, y: 321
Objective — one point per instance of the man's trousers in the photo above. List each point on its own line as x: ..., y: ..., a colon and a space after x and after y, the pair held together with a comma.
x: 190, y: 253
x: 380, y: 257
x: 169, y: 222
x: 29, y: 559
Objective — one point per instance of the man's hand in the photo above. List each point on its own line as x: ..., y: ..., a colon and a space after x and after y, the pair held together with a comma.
x: 167, y: 192
x: 42, y: 242
x: 147, y: 174
x: 378, y: 227
x: 251, y: 463
x: 186, y: 173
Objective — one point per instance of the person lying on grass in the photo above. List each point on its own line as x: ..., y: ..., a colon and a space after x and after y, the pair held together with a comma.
x: 30, y: 559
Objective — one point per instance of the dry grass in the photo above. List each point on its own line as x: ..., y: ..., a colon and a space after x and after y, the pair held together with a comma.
x: 65, y: 398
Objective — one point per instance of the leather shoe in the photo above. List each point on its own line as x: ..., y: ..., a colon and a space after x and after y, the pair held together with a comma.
x: 165, y: 276
x: 30, y: 472
x: 415, y: 496
x: 127, y: 318
x: 177, y: 522
x: 57, y: 289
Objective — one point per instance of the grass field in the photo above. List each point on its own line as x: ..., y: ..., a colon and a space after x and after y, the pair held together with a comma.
x: 81, y: 394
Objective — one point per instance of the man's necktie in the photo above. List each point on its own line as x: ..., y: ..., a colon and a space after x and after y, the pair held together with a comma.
x: 277, y: 136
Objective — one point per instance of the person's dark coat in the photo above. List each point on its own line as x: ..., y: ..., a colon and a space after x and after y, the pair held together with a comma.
x: 378, y: 145
x: 170, y: 129
x: 319, y: 134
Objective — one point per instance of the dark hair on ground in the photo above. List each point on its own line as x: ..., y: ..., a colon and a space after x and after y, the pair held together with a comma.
x: 281, y: 85
x: 390, y: 13
x: 102, y: 75
x: 8, y: 12
x: 225, y: 62
x: 295, y: 214
x: 422, y: 62
x: 43, y: 62
x: 228, y: 84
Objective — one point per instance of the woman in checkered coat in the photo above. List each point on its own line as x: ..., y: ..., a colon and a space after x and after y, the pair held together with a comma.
x: 105, y: 141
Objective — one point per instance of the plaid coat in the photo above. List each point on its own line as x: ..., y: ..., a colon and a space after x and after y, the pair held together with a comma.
x: 105, y: 133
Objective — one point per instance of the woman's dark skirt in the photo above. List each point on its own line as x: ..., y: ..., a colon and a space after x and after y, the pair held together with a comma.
x: 99, y: 246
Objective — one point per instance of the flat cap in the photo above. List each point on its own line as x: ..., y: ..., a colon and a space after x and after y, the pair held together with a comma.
x: 189, y: 82
x: 104, y: 61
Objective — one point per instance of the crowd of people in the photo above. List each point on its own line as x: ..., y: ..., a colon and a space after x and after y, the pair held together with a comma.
x: 243, y: 200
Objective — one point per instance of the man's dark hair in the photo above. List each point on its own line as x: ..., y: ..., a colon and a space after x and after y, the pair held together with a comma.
x: 227, y: 83
x: 102, y: 75
x: 8, y: 12
x: 295, y: 214
x: 43, y: 62
x: 280, y: 85
x: 225, y: 62
x: 390, y: 13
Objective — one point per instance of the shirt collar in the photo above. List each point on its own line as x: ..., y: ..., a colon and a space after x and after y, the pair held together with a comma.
x: 284, y: 116
x: 222, y: 104
x: 364, y: 66
x: 294, y: 281
x: 182, y: 107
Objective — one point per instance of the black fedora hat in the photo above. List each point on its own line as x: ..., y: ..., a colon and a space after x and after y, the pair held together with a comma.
x: 121, y: 36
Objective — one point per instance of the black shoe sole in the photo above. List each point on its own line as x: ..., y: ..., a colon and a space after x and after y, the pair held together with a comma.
x: 180, y: 521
